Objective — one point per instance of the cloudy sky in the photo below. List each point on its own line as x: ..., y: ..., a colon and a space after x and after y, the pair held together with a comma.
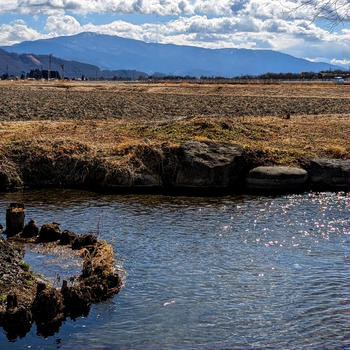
x: 318, y: 30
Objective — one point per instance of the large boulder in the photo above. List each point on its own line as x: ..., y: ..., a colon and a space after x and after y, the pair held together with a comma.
x: 333, y: 174
x: 276, y: 178
x: 208, y: 164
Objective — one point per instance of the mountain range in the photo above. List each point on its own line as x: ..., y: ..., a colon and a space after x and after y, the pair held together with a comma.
x: 107, y: 52
x: 16, y: 64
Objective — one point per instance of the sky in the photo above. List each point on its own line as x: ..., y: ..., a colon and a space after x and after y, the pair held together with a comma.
x: 318, y: 30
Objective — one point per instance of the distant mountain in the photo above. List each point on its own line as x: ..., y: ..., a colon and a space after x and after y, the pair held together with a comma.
x: 113, y: 52
x: 15, y: 64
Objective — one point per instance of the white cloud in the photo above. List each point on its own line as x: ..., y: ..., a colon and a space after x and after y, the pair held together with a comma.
x: 343, y: 62
x: 17, y: 31
x: 62, y: 25
x: 335, y: 10
x: 160, y: 7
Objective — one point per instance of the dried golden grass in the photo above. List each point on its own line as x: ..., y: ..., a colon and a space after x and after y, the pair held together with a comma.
x: 336, y: 151
x: 303, y: 135
x: 101, y: 257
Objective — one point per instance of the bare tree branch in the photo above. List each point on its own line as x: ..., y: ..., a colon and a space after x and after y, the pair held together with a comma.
x: 333, y: 11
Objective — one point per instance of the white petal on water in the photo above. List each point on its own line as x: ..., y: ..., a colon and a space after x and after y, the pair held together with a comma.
x: 169, y: 303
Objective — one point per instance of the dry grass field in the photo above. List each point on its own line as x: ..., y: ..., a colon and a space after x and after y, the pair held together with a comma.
x: 109, y: 117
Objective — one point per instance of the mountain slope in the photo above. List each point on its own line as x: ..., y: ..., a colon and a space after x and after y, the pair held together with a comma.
x: 15, y: 64
x: 112, y: 52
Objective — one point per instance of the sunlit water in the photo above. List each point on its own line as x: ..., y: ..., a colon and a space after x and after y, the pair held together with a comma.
x: 208, y: 273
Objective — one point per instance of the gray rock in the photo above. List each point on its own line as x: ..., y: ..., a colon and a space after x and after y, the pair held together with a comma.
x: 208, y: 164
x: 147, y: 180
x: 276, y: 178
x: 331, y: 174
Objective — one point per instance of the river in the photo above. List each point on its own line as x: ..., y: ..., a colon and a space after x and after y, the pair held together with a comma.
x: 235, y: 272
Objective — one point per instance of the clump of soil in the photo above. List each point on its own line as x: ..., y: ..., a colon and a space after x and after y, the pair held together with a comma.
x: 30, y: 230
x: 49, y: 232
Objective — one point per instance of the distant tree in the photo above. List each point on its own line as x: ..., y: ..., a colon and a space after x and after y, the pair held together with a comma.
x: 35, y: 74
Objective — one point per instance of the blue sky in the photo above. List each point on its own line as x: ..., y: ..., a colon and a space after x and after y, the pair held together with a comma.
x: 304, y: 28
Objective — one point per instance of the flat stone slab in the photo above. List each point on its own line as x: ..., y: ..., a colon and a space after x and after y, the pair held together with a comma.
x: 276, y: 178
x: 208, y: 164
x: 333, y: 174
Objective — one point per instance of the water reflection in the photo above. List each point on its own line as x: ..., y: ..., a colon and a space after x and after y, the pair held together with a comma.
x: 54, y: 263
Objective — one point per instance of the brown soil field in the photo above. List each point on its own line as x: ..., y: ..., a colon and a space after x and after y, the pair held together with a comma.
x: 141, y: 102
x: 110, y: 117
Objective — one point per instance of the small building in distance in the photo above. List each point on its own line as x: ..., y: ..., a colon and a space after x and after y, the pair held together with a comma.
x: 338, y: 80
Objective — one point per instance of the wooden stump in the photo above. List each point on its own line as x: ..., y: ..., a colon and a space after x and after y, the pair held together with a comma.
x: 15, y: 214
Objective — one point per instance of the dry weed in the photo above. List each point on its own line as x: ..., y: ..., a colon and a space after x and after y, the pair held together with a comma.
x: 336, y: 151
x: 100, y: 258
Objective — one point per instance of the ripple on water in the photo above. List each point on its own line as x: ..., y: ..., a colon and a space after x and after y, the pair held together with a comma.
x: 240, y: 272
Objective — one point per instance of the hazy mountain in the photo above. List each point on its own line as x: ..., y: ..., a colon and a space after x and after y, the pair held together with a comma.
x: 15, y: 64
x: 112, y: 52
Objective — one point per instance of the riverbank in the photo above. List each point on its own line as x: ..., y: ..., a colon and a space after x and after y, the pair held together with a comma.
x: 191, y: 167
x: 168, y: 137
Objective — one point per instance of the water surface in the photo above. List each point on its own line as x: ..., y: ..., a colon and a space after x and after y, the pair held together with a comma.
x: 243, y: 272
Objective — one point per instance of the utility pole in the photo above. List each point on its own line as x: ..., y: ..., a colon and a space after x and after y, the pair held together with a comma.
x: 49, y: 71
